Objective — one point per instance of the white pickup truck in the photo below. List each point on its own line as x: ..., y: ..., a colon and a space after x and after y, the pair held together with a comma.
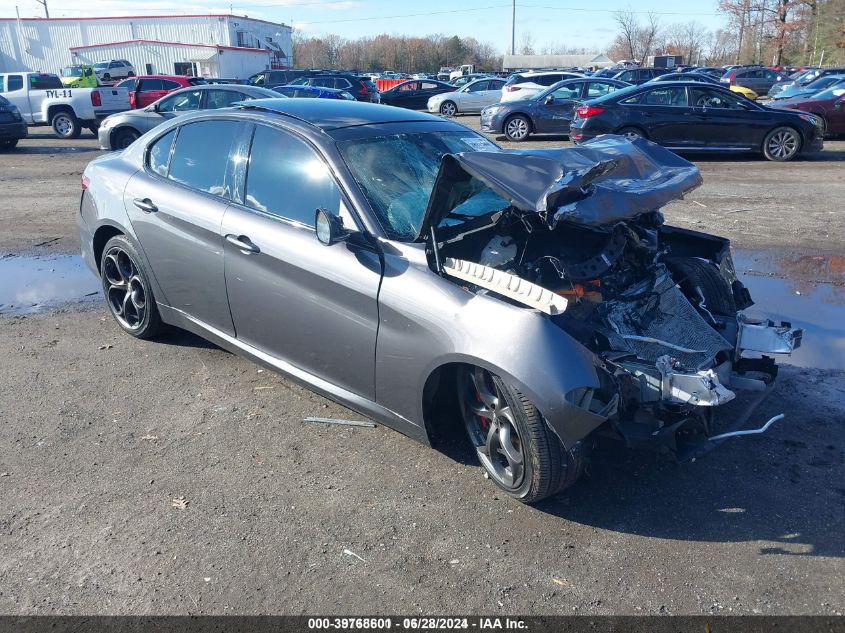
x: 43, y: 100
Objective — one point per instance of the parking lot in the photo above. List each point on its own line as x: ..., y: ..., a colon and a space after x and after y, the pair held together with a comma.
x: 173, y: 477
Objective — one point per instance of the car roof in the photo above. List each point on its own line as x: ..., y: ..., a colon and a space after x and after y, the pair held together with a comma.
x: 329, y: 114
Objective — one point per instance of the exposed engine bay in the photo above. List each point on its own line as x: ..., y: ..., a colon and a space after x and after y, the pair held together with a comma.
x: 660, y: 307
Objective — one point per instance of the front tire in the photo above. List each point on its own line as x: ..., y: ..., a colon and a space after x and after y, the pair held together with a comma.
x: 517, y: 128
x: 124, y: 138
x: 66, y: 125
x: 448, y: 108
x: 127, y: 289
x: 782, y: 144
x: 7, y: 145
x: 517, y: 449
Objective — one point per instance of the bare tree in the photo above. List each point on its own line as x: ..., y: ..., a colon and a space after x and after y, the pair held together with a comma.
x: 526, y: 46
x: 635, y: 39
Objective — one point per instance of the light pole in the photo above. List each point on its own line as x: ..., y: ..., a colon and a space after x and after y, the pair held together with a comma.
x: 513, y: 28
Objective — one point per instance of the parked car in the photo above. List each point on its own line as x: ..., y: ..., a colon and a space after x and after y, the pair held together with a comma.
x: 524, y: 85
x: 362, y: 88
x: 414, y: 94
x: 712, y: 71
x: 388, y: 258
x: 550, y: 111
x: 463, y: 80
x: 12, y: 126
x: 684, y: 116
x: 227, y: 80
x: 43, y: 100
x: 757, y: 78
x: 473, y: 97
x: 119, y: 131
x: 702, y: 78
x: 79, y: 76
x: 147, y: 89
x: 269, y: 78
x: 805, y: 90
x: 312, y: 92
x: 640, y: 75
x: 804, y: 78
x: 828, y: 104
x: 113, y: 70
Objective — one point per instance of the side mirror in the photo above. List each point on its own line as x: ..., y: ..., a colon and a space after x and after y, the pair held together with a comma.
x: 549, y: 99
x: 330, y: 229
x: 839, y: 103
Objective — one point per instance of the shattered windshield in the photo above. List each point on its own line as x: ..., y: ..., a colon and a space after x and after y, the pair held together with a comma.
x: 396, y: 173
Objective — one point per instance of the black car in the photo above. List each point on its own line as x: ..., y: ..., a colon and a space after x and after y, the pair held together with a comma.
x: 550, y: 111
x: 362, y: 88
x: 687, y: 116
x: 415, y: 94
x: 269, y: 78
x: 690, y: 76
x: 12, y: 126
x: 640, y: 75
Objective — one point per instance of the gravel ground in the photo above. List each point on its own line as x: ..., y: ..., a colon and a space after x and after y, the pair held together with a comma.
x: 172, y: 477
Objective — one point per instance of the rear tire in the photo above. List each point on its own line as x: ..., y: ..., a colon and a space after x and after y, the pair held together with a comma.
x: 515, y: 445
x: 126, y: 286
x: 631, y: 133
x: 7, y: 145
x: 66, y: 125
x: 703, y: 285
x: 782, y: 144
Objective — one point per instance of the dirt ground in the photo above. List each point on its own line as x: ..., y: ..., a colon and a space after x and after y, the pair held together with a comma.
x: 172, y: 477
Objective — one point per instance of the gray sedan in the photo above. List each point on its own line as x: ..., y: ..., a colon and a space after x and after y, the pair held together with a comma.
x: 120, y: 130
x: 407, y: 267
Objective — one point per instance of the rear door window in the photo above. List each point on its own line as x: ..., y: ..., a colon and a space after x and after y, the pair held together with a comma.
x: 201, y: 155
x: 665, y: 97
x: 167, y: 84
x: 599, y: 89
x: 287, y: 179
x: 158, y: 157
x: 215, y: 99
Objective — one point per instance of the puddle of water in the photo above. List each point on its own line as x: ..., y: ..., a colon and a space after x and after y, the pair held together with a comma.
x: 32, y: 284
x: 806, y: 290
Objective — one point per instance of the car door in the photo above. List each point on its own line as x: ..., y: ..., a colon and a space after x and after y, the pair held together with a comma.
x: 178, y: 103
x: 310, y: 305
x: 472, y: 97
x: 17, y: 94
x: 403, y: 95
x: 555, y: 115
x: 425, y: 90
x: 149, y: 90
x: 216, y: 98
x: 176, y: 206
x: 719, y: 120
x: 661, y: 111
x: 493, y: 93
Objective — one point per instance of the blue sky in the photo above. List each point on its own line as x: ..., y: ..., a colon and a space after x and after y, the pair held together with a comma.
x: 571, y: 22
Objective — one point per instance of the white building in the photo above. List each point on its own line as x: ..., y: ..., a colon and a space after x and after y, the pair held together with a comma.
x: 202, y: 45
x: 540, y: 62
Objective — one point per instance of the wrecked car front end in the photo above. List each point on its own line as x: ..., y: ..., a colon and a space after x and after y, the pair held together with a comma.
x: 577, y: 234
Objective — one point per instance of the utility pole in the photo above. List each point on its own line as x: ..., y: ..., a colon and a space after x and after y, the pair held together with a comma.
x: 513, y: 28
x: 46, y: 10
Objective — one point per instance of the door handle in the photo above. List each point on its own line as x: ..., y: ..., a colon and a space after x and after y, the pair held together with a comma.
x: 243, y: 243
x: 145, y: 204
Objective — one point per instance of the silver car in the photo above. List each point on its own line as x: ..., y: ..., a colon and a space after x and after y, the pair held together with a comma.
x: 405, y: 266
x: 119, y: 131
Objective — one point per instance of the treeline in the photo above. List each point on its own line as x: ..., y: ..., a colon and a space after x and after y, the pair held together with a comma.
x: 391, y: 52
x: 771, y: 32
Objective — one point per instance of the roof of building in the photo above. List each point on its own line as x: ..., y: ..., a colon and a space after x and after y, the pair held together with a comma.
x: 331, y: 114
x: 556, y: 61
x: 218, y: 46
x: 123, y: 18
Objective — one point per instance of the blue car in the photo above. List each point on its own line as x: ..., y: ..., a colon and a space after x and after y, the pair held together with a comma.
x: 549, y: 112
x: 313, y: 92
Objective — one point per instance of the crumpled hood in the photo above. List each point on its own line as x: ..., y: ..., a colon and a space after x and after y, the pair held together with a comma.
x: 600, y: 182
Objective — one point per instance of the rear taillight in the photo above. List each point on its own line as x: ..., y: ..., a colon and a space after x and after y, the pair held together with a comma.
x: 585, y: 112
x: 85, y: 183
x: 96, y: 100
x: 512, y: 88
x: 132, y: 100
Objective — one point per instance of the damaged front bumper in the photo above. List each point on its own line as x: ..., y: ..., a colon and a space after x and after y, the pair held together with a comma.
x: 690, y: 424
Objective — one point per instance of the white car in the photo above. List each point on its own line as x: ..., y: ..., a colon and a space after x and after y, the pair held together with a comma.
x: 526, y: 85
x: 473, y: 97
x: 114, y: 70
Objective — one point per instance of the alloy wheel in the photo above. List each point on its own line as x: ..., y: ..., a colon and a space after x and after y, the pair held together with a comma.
x: 783, y: 144
x: 448, y: 109
x: 125, y: 290
x: 492, y: 427
x: 517, y: 128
